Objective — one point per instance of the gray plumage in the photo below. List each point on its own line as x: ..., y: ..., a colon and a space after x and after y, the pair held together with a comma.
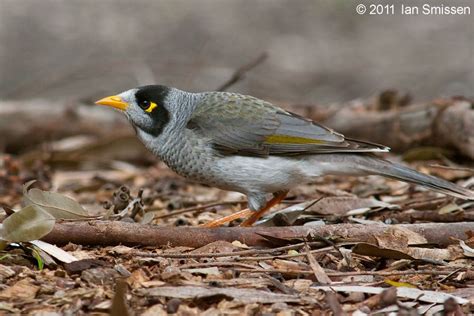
x: 240, y: 143
x: 242, y: 123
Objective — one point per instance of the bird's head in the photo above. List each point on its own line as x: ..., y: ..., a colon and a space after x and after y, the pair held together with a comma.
x: 147, y: 107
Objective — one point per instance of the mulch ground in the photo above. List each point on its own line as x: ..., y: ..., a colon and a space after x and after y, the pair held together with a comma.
x: 310, y: 275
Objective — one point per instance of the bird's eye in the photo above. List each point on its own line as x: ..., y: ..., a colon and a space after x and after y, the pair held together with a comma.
x: 147, y: 106
x: 144, y: 104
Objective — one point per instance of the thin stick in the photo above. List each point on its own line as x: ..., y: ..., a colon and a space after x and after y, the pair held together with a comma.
x: 217, y: 264
x: 195, y: 208
x: 325, y: 249
x: 457, y: 168
x: 223, y: 254
x: 239, y: 74
x: 345, y: 274
x: 450, y: 275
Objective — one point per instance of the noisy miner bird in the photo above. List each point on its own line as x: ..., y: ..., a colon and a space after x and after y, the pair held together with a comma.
x: 240, y: 143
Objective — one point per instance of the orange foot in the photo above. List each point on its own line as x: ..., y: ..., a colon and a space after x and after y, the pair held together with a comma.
x: 252, y: 216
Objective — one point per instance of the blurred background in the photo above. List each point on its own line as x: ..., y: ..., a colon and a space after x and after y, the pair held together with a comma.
x: 318, y: 51
x: 403, y: 81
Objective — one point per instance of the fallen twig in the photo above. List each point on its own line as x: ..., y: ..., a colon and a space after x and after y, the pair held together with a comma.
x: 325, y: 250
x: 348, y: 274
x: 194, y: 208
x: 115, y: 233
x: 432, y: 216
x: 226, y: 254
x: 217, y: 264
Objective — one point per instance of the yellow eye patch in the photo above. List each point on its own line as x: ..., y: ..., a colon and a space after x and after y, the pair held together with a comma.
x: 151, y: 107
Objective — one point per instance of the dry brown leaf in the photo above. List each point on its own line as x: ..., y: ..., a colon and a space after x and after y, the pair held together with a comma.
x: 366, y: 249
x: 6, y: 272
x: 100, y: 275
x: 219, y: 246
x: 434, y: 254
x: 318, y: 271
x: 83, y: 264
x: 341, y: 205
x: 120, y: 250
x: 399, y: 238
x: 137, y: 278
x: 410, y: 253
x: 23, y: 289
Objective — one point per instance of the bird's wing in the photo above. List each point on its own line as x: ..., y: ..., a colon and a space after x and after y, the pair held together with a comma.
x: 242, y: 124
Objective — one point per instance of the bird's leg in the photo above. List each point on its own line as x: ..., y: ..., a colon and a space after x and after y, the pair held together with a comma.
x: 226, y: 219
x: 253, y: 216
x: 258, y: 214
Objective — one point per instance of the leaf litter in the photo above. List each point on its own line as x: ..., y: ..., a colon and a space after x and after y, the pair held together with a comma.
x: 398, y: 269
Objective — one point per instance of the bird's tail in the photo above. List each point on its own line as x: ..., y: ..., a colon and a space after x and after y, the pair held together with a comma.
x: 399, y: 172
x: 370, y: 164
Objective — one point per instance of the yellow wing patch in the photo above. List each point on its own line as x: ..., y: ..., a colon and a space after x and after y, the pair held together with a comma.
x: 151, y: 107
x: 283, y: 139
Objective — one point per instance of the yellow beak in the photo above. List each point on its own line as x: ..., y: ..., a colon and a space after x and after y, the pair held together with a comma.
x: 113, y: 101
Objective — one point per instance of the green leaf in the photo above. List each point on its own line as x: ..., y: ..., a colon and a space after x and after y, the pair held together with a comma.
x: 58, y: 205
x: 29, y: 223
x: 38, y: 258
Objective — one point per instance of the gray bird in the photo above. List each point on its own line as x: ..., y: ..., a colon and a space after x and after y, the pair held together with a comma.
x: 240, y: 143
